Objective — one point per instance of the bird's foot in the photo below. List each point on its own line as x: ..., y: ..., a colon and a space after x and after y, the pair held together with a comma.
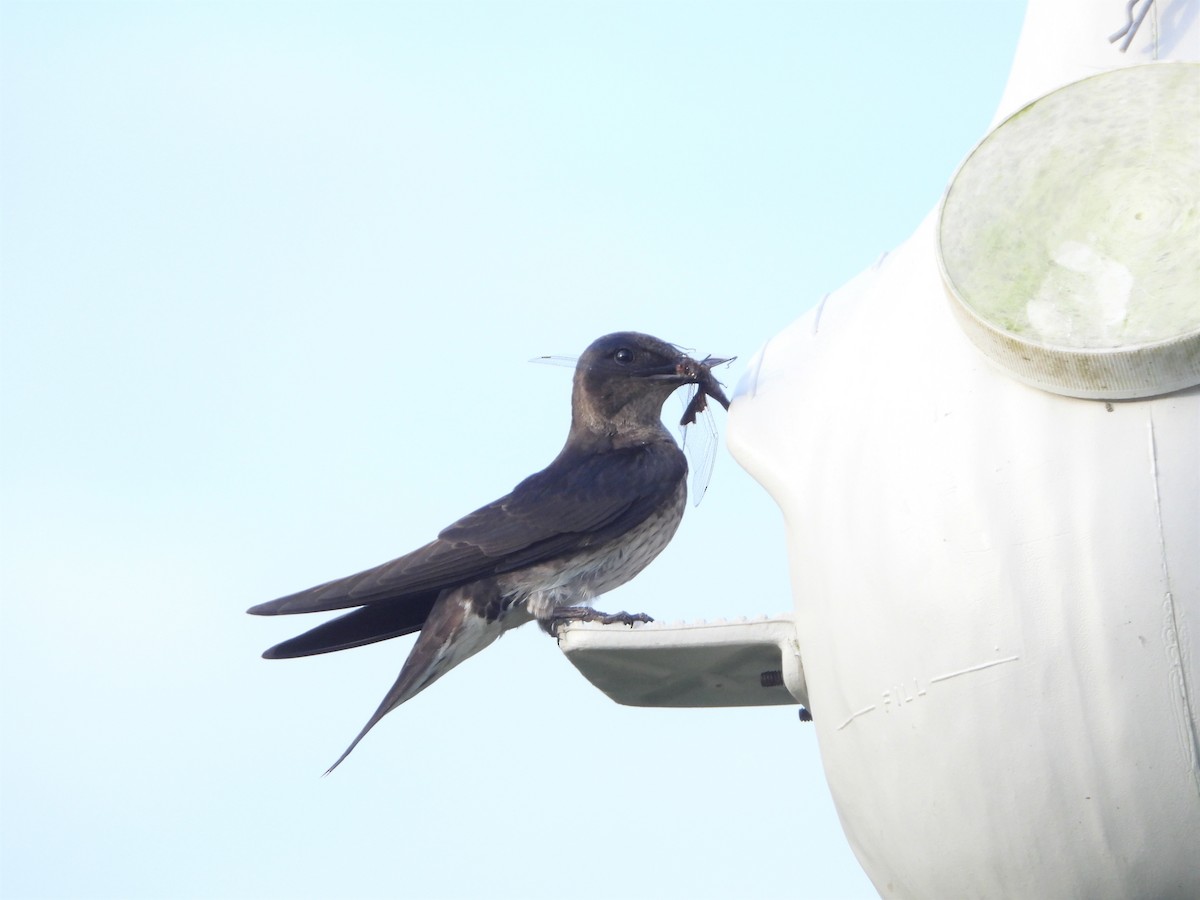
x: 623, y: 617
x: 565, y: 614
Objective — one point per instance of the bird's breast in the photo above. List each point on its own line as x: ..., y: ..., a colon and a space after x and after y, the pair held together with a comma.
x: 577, y: 579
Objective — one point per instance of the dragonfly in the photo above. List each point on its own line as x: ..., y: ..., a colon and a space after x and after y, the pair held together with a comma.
x: 702, y: 452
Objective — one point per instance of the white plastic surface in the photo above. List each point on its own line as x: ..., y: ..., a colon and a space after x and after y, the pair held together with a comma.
x: 695, y: 664
x: 997, y: 588
x: 1067, y: 238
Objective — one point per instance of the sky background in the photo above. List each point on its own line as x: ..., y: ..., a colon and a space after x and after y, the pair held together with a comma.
x: 270, y: 275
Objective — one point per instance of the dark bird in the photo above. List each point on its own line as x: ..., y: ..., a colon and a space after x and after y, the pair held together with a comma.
x: 587, y: 523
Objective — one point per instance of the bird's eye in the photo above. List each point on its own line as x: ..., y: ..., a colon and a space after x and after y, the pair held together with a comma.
x: 624, y: 356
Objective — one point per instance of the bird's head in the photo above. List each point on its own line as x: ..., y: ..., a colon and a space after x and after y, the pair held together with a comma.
x: 623, y: 379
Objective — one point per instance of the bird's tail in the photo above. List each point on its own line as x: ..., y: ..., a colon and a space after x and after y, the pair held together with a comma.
x: 452, y: 633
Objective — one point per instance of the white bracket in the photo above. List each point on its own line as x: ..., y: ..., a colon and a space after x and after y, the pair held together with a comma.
x: 749, y: 662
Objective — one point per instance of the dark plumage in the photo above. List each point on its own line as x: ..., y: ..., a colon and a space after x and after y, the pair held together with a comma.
x: 587, y: 523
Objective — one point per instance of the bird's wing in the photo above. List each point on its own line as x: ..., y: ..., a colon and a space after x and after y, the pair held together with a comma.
x: 363, y: 625
x: 577, y: 501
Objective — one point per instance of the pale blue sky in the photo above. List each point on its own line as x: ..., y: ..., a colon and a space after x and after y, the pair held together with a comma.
x: 270, y: 274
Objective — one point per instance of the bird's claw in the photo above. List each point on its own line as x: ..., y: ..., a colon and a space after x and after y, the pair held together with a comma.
x: 567, y: 614
x: 624, y: 618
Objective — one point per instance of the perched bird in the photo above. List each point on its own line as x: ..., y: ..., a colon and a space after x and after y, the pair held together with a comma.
x: 587, y: 523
